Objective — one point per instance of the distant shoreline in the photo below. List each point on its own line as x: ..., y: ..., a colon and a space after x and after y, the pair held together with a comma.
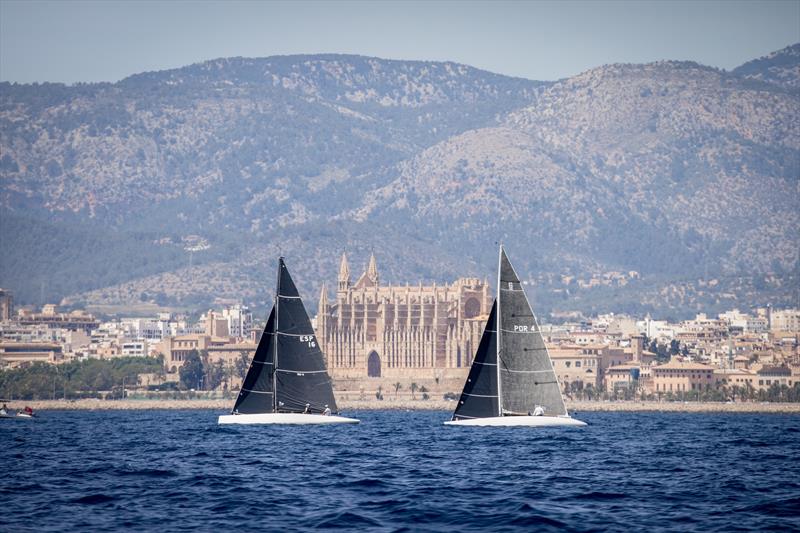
x: 224, y: 406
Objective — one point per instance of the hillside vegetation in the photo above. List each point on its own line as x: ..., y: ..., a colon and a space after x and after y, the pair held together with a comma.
x: 187, y: 183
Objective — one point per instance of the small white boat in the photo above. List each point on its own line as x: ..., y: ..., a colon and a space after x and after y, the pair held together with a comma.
x: 287, y: 382
x: 7, y: 413
x: 286, y: 418
x: 511, y: 381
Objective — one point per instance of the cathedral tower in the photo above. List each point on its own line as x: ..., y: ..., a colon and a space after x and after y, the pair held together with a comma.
x: 372, y: 270
x: 344, y: 274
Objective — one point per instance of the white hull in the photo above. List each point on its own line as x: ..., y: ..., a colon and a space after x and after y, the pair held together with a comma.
x: 286, y: 418
x: 507, y: 421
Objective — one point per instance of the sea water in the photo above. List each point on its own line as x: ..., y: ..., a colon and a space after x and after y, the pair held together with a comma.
x: 399, y: 471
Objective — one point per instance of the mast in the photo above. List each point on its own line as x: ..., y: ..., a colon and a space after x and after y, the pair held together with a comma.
x: 275, y: 355
x: 498, y: 326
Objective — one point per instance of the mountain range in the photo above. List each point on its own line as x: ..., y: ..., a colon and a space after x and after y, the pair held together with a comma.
x: 665, y: 187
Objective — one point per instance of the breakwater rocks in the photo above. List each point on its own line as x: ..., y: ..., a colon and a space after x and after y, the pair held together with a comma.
x: 414, y: 405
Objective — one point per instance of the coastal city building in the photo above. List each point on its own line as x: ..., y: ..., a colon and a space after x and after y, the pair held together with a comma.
x: 233, y: 321
x: 13, y: 354
x: 682, y: 376
x: 377, y: 337
x: 49, y: 316
x: 176, y: 349
x: 6, y: 305
x: 785, y: 320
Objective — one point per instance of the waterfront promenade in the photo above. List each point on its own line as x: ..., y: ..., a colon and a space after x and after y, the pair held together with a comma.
x: 421, y: 405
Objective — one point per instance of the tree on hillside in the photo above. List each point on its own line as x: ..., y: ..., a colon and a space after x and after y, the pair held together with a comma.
x: 191, y: 373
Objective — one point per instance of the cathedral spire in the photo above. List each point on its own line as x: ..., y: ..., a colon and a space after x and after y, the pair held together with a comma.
x: 323, y: 297
x: 372, y: 269
x: 344, y: 274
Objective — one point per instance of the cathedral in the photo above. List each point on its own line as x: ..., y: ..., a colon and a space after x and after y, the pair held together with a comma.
x: 407, y: 331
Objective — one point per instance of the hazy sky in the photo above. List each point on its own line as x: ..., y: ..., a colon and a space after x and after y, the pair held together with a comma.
x: 98, y: 40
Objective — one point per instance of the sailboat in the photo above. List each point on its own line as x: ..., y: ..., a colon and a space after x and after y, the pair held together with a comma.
x: 287, y: 382
x: 511, y: 381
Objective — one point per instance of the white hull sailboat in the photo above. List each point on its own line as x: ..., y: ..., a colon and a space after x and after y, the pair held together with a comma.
x: 299, y: 419
x: 511, y: 381
x: 530, y: 421
x: 287, y: 382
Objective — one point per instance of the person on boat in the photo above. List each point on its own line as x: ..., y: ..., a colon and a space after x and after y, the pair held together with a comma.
x: 28, y: 410
x: 327, y: 411
x: 539, y: 411
x: 307, y: 410
x: 4, y: 410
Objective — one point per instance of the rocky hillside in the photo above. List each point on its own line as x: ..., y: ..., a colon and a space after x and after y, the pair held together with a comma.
x: 624, y: 164
x: 781, y: 68
x: 237, y: 150
x: 181, y: 186
x: 243, y: 128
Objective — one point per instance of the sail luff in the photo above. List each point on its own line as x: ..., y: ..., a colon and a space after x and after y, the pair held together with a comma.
x: 498, y: 327
x: 275, y: 357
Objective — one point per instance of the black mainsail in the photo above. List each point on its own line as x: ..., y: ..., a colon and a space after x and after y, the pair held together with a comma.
x: 292, y: 376
x: 512, y: 373
x: 480, y: 398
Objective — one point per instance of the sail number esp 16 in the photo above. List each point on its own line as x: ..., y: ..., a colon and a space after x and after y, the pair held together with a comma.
x: 312, y: 343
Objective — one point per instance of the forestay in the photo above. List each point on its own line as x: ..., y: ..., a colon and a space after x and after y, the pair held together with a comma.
x: 527, y: 378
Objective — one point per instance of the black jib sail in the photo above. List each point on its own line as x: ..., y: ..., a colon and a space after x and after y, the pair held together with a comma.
x: 256, y: 395
x: 302, y: 383
x: 527, y: 378
x: 479, y: 398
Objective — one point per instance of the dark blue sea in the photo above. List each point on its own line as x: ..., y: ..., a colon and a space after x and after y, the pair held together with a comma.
x: 399, y: 471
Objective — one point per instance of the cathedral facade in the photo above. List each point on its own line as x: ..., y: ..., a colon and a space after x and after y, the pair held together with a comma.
x: 407, y: 331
